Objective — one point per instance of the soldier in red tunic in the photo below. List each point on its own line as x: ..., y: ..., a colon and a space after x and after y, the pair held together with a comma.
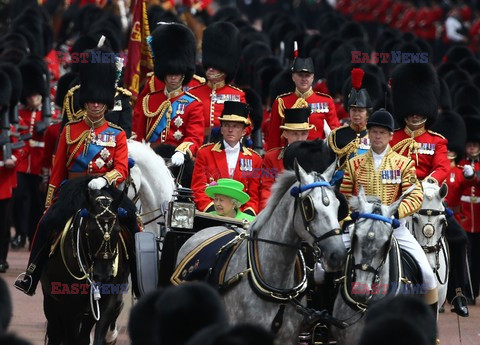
x: 321, y: 105
x: 172, y: 116
x: 228, y: 158
x: 220, y: 57
x: 89, y: 146
x: 295, y: 128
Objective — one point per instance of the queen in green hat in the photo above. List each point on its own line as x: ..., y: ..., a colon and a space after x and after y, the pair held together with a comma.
x: 228, y: 196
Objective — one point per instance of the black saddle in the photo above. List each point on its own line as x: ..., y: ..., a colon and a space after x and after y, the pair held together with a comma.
x: 411, y: 269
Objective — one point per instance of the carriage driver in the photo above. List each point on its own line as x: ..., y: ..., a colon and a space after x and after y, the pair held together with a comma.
x: 88, y: 146
x: 228, y: 196
x: 369, y: 171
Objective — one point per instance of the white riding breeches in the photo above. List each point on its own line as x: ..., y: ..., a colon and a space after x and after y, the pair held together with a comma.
x: 407, y: 242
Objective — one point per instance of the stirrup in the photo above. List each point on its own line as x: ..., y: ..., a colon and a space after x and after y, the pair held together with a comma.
x: 21, y: 284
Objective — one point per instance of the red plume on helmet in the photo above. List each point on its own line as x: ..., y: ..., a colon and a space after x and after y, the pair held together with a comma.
x: 357, y: 78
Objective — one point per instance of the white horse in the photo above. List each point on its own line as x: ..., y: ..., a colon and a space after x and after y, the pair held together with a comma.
x: 428, y: 227
x: 153, y: 184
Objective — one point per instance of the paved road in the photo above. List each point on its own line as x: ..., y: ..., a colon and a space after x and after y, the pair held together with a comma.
x: 29, y: 321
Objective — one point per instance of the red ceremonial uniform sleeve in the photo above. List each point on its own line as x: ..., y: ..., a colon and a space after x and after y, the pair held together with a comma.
x: 331, y: 117
x: 254, y: 187
x: 274, y: 130
x: 139, y: 123
x: 51, y: 135
x: 59, y: 168
x: 195, y: 127
x: 271, y: 167
x: 441, y: 163
x: 200, y: 179
x: 120, y: 161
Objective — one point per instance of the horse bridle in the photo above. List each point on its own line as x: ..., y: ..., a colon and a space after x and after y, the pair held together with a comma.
x: 428, y: 231
x: 308, y: 211
x: 364, y: 266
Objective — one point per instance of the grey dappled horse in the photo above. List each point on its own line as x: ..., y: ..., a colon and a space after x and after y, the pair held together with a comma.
x: 310, y: 215
x: 369, y: 264
x: 428, y: 227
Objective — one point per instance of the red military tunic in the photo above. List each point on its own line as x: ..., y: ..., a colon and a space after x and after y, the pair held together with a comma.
x: 469, y: 216
x: 51, y: 136
x: 427, y: 149
x: 177, y: 121
x: 272, y: 165
x: 8, y: 176
x: 322, y: 107
x: 32, y: 163
x: 211, y: 165
x: 154, y: 84
x: 81, y: 151
x: 213, y: 97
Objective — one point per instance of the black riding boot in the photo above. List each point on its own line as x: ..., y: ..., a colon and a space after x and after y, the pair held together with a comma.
x: 434, y: 307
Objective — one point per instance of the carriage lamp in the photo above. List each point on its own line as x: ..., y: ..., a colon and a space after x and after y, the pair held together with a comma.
x: 181, y: 210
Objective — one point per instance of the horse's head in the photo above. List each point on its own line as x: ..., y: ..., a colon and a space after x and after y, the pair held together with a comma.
x: 371, y: 239
x: 317, y: 211
x: 429, y: 223
x: 102, y: 232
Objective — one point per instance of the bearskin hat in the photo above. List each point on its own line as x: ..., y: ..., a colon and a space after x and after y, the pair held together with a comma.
x: 451, y: 125
x: 415, y: 90
x: 97, y: 78
x: 445, y: 98
x: 65, y: 83
x: 472, y: 123
x: 468, y: 94
x: 312, y: 155
x: 5, y: 90
x: 34, y: 79
x: 221, y: 48
x: 173, y: 49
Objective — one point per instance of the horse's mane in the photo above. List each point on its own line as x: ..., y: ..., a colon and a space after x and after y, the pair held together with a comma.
x: 153, y: 169
x: 280, y: 187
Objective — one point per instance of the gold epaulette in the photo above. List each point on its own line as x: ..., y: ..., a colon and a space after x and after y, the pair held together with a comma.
x: 73, y: 121
x: 284, y: 94
x: 253, y: 151
x: 199, y: 79
x: 435, y: 133
x: 193, y: 96
x: 402, y: 145
x: 275, y: 148
x: 236, y: 88
x: 323, y: 94
x: 205, y: 145
x: 124, y: 91
x: 111, y: 124
x: 149, y: 74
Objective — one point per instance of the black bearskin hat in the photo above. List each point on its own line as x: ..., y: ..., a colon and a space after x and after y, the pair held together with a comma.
x: 5, y: 91
x: 65, y: 83
x: 451, y: 125
x: 415, y: 90
x: 472, y: 123
x: 34, y: 79
x: 311, y: 155
x: 221, y: 48
x: 173, y: 49
x: 98, y: 77
x: 15, y: 79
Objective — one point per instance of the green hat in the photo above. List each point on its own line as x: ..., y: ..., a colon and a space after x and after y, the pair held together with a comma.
x: 228, y: 187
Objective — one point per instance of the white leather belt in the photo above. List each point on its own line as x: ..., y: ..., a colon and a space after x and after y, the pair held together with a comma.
x: 470, y: 199
x: 35, y: 143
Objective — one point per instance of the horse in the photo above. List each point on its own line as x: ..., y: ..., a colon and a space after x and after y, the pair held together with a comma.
x: 373, y: 267
x: 428, y: 227
x: 271, y: 249
x: 87, y: 272
x: 151, y: 182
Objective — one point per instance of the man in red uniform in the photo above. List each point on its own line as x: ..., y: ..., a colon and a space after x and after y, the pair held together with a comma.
x: 228, y: 158
x: 470, y: 203
x: 172, y: 116
x: 295, y: 128
x: 220, y: 57
x: 414, y: 93
x: 90, y: 146
x: 321, y: 105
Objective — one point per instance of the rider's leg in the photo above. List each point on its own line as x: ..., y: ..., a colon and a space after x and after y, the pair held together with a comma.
x: 38, y: 256
x: 409, y: 243
x: 457, y: 243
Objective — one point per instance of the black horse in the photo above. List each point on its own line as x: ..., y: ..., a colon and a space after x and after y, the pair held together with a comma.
x: 90, y: 258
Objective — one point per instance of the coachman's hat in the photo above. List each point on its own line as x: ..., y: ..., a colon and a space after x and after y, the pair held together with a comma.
x: 221, y: 48
x: 358, y: 97
x: 381, y: 118
x: 303, y: 65
x: 236, y: 112
x: 173, y: 50
x: 97, y: 78
x: 296, y: 119
x: 228, y: 187
x: 415, y: 90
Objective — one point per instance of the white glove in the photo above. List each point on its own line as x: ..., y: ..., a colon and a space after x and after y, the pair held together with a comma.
x: 468, y: 171
x: 97, y: 183
x: 178, y: 158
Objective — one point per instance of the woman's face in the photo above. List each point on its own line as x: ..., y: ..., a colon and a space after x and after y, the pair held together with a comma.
x: 224, y: 205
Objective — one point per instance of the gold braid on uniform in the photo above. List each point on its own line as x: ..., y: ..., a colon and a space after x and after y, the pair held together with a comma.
x: 165, y: 107
x: 81, y: 138
x: 405, y: 144
x: 68, y: 106
x: 346, y: 151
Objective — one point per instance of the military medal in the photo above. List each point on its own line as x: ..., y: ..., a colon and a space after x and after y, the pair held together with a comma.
x: 384, y: 176
x: 181, y: 109
x: 399, y: 176
x: 452, y: 177
x: 178, y: 135
x: 99, y: 163
x: 178, y: 121
x: 104, y: 153
x: 242, y: 165
x: 118, y: 105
